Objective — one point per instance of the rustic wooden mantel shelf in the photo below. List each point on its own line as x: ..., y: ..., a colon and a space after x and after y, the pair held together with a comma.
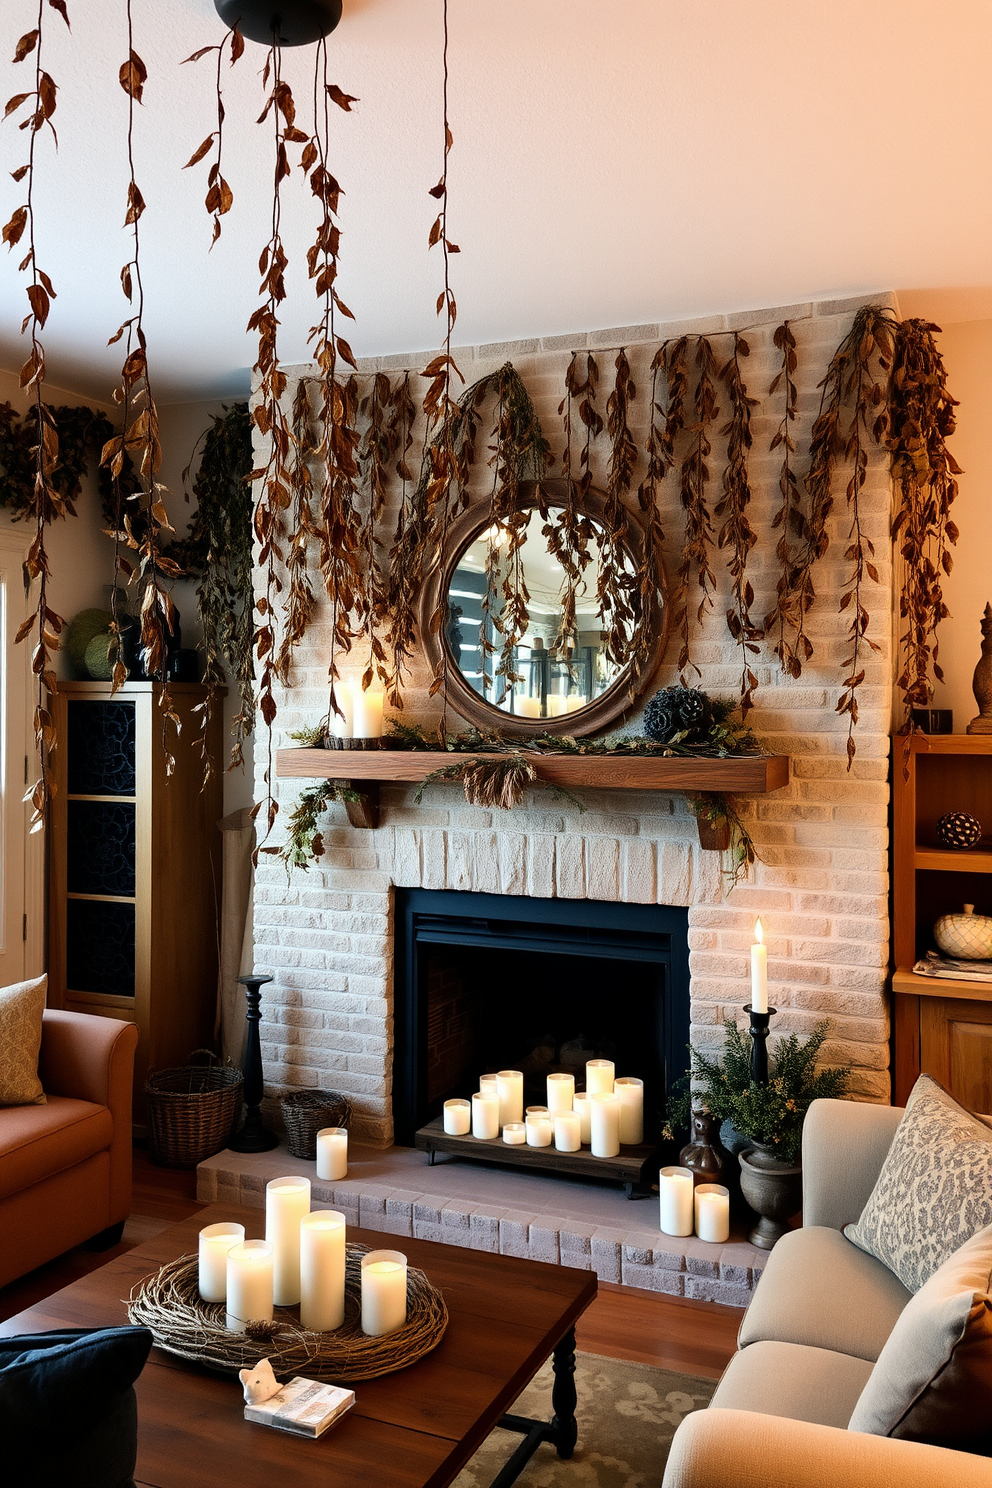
x: 366, y: 770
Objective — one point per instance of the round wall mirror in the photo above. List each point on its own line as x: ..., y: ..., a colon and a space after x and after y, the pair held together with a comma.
x: 527, y: 648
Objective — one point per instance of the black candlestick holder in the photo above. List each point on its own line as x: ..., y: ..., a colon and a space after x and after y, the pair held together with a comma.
x: 254, y: 1135
x: 759, y: 1043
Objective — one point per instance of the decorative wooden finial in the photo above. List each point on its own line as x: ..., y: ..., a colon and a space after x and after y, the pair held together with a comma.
x: 982, y: 680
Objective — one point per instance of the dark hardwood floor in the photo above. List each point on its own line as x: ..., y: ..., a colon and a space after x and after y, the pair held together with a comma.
x: 624, y: 1322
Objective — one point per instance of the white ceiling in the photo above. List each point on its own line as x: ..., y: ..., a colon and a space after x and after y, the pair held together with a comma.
x: 614, y: 164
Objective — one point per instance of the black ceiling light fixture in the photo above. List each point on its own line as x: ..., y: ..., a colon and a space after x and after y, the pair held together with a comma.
x: 288, y: 23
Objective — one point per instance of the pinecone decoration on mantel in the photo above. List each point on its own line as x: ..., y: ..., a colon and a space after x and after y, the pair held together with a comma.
x: 677, y: 710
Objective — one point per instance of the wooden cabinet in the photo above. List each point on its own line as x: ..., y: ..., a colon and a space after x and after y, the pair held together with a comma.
x: 134, y: 868
x: 941, y: 1026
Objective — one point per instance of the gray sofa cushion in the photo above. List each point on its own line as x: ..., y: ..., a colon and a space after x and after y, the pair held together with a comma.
x: 934, y: 1191
x: 788, y: 1379
x: 821, y: 1291
x: 933, y: 1379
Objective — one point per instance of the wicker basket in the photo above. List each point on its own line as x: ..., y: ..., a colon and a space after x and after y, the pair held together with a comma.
x: 306, y: 1112
x: 192, y: 1111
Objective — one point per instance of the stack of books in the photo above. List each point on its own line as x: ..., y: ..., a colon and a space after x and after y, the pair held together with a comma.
x: 305, y: 1407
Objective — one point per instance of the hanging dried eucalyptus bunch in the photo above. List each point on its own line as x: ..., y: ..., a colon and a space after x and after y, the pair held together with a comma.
x: 47, y: 503
x: 921, y: 418
x: 790, y: 519
x: 618, y: 585
x: 568, y: 530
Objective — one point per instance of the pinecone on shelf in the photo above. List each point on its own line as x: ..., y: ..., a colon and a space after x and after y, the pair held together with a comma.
x: 676, y: 710
x: 959, y: 829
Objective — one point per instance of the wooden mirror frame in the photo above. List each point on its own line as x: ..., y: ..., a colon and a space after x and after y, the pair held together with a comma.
x: 604, y: 711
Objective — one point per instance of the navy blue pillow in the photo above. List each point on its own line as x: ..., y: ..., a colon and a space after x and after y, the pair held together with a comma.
x: 68, y: 1412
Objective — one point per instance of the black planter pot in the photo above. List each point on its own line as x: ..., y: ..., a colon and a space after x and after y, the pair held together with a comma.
x: 774, y: 1190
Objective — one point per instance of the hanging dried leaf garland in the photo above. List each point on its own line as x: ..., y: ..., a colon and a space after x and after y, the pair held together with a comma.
x: 736, y: 534
x: 269, y: 416
x: 790, y: 519
x: 660, y: 453
x: 617, y: 584
x: 301, y: 601
x: 139, y: 439
x: 402, y: 579
x: 335, y: 450
x: 376, y: 458
x: 693, y: 478
x: 47, y: 503
x: 923, y: 470
x: 872, y: 349
x: 219, y: 198
x: 568, y: 529
x: 440, y: 410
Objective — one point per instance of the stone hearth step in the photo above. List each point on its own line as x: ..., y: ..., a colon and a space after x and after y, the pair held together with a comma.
x: 556, y: 1220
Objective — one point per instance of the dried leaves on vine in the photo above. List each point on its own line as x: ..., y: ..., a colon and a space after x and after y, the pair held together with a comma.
x: 47, y: 502
x: 921, y: 418
x: 790, y: 519
x: 694, y: 476
x: 617, y: 588
x: 736, y: 532
x: 219, y: 198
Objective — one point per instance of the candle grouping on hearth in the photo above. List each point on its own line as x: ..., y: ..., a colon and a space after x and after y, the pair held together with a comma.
x: 688, y: 1207
x: 301, y: 1262
x: 607, y: 1115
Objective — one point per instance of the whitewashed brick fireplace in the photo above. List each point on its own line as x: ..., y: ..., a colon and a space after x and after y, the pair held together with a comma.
x: 820, y: 887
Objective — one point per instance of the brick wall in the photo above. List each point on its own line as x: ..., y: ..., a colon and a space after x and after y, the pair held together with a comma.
x: 821, y: 885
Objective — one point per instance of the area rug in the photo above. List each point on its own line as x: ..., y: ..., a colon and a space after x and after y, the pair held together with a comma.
x: 627, y: 1415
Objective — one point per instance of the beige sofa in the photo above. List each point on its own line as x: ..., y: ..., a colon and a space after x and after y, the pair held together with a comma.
x: 65, y: 1167
x: 807, y: 1344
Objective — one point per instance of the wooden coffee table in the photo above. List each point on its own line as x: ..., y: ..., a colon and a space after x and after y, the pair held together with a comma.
x: 414, y: 1429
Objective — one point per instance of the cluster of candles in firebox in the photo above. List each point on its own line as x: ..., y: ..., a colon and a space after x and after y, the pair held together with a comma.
x: 605, y: 1116
x: 301, y: 1262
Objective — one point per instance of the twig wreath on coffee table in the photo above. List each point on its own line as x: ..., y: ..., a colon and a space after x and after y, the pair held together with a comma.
x: 170, y: 1305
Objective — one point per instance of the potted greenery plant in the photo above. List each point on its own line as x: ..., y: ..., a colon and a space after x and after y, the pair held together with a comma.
x: 768, y: 1117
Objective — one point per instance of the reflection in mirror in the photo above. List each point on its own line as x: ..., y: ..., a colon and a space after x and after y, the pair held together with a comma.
x: 543, y: 674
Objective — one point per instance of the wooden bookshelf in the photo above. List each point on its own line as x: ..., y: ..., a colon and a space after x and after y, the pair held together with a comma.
x: 942, y: 1026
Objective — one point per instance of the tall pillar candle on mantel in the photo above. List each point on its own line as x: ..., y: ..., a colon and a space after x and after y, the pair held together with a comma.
x: 249, y: 1284
x: 510, y: 1089
x: 287, y: 1203
x: 332, y: 1153
x: 322, y: 1264
x: 631, y: 1093
x: 367, y: 714
x: 604, y: 1125
x: 599, y: 1076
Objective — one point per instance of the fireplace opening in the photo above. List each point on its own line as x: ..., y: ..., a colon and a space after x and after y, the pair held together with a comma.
x: 486, y: 982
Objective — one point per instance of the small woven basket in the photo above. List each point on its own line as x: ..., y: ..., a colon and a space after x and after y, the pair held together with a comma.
x: 306, y: 1112
x: 192, y: 1111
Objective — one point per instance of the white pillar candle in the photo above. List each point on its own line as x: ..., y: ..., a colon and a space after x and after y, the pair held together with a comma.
x: 712, y: 1203
x: 287, y: 1203
x: 540, y: 1130
x: 383, y: 1292
x: 322, y: 1270
x: 527, y: 707
x: 759, y: 973
x: 536, y: 1111
x: 631, y: 1093
x: 485, y: 1115
x: 249, y: 1284
x: 489, y: 1084
x: 368, y: 714
x: 599, y: 1076
x: 575, y: 701
x: 561, y: 1091
x: 580, y: 1104
x: 604, y: 1125
x: 457, y: 1117
x: 675, y: 1194
x: 510, y: 1089
x: 215, y: 1241
x: 568, y: 1131
x: 343, y: 723
x: 514, y: 1133
x: 556, y: 705
x: 332, y: 1152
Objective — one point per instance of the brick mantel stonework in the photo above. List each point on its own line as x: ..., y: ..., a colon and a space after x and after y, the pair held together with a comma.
x: 821, y: 885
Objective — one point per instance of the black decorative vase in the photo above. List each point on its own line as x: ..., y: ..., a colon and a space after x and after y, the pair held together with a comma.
x: 254, y: 1135
x: 774, y: 1190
